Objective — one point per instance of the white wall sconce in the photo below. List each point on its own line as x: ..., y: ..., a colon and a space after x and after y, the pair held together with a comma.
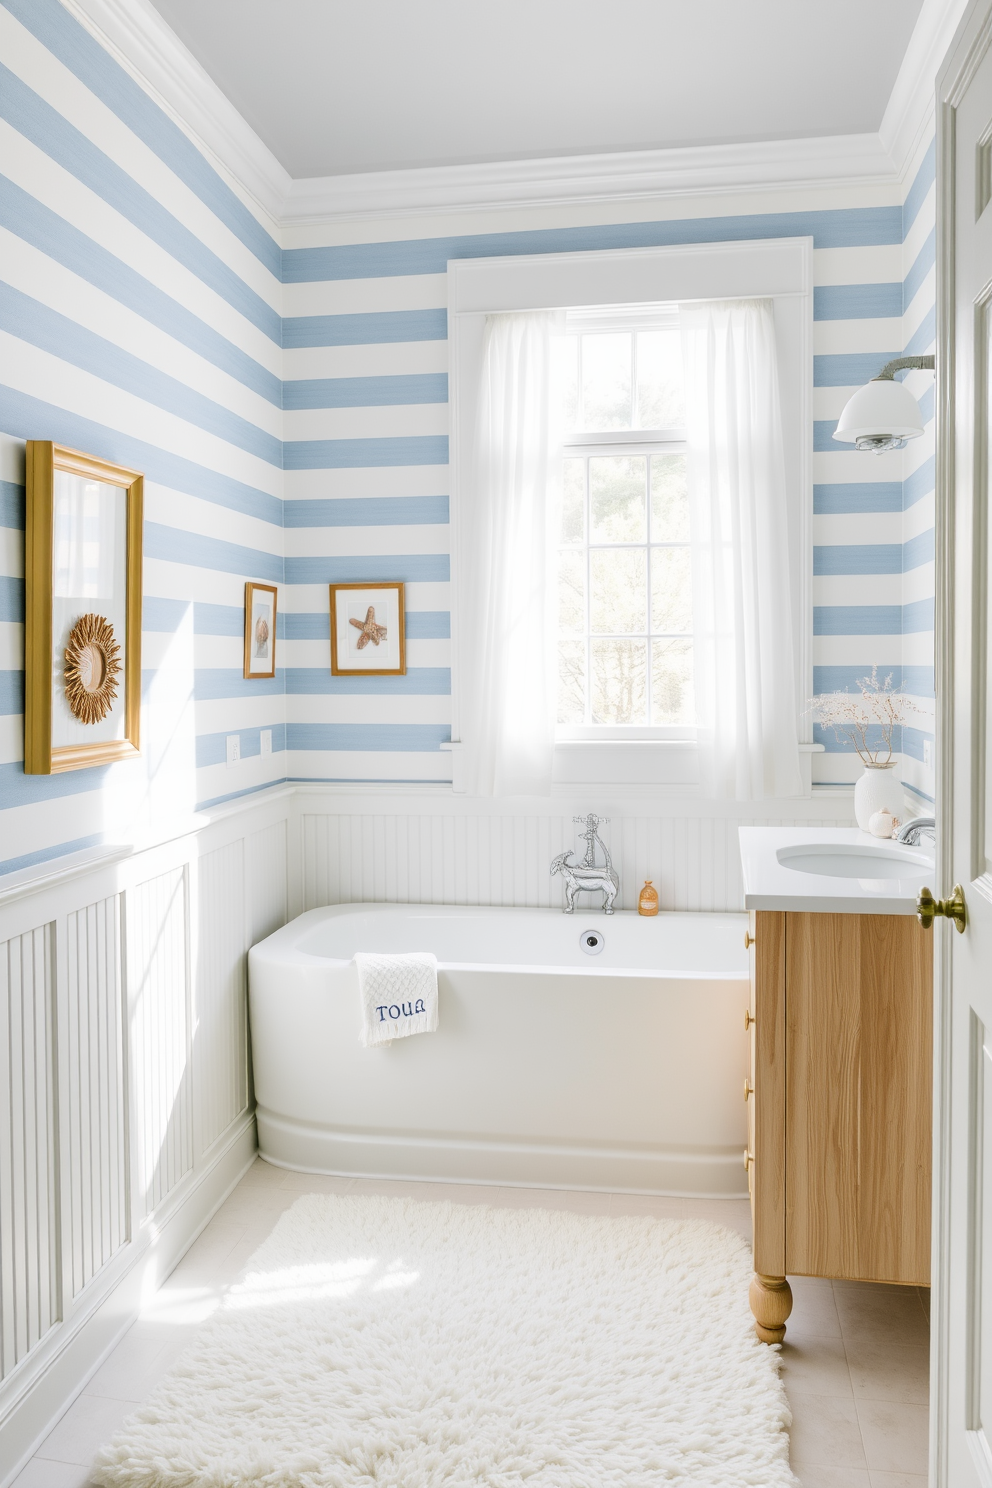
x: 883, y: 414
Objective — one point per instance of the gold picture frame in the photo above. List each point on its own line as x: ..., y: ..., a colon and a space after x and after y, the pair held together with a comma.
x: 368, y: 634
x: 260, y: 649
x: 82, y: 610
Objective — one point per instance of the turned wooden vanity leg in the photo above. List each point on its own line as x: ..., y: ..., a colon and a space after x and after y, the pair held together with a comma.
x: 771, y: 1303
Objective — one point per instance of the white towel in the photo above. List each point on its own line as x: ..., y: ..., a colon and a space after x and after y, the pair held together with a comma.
x: 398, y: 995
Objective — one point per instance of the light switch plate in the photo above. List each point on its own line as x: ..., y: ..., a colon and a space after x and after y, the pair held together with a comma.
x: 233, y: 749
x: 265, y: 741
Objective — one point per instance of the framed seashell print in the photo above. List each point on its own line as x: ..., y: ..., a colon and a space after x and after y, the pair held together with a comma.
x: 260, y: 630
x: 82, y: 642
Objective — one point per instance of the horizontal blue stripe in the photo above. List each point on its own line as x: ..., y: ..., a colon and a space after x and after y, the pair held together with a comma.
x: 212, y: 683
x: 31, y: 321
x: 46, y: 854
x: 917, y: 193
x: 918, y: 617
x: 918, y: 550
x: 842, y: 498
x: 418, y: 682
x: 849, y: 369
x: 31, y: 116
x: 375, y: 327
x: 865, y: 620
x: 857, y: 301
x: 367, y: 511
x: 921, y: 483
x: 249, y: 790
x: 838, y: 744
x: 371, y: 569
x: 11, y: 599
x: 11, y: 692
x: 29, y: 219
x: 913, y: 740
x: 167, y: 615
x: 172, y: 545
x: 850, y: 227
x: 356, y: 454
x: 83, y: 55
x: 870, y: 558
x: 34, y: 419
x: 390, y: 738
x: 420, y: 625
x: 428, y: 625
x: 11, y: 506
x: 924, y: 336
x: 211, y: 749
x: 921, y: 266
x: 915, y: 789
x: 917, y: 681
x: 18, y: 789
x: 366, y: 392
x: 823, y: 440
x: 857, y: 620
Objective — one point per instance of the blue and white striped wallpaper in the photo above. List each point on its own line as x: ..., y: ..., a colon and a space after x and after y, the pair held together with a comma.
x: 286, y: 395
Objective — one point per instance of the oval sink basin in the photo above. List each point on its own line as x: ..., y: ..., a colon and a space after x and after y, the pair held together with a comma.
x: 852, y: 860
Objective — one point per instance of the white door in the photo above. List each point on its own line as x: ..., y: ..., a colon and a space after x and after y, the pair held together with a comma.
x: 961, y: 1411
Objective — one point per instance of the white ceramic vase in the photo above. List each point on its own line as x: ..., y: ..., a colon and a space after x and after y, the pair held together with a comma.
x: 878, y: 789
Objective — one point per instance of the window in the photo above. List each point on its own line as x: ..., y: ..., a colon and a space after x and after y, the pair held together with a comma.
x: 624, y: 573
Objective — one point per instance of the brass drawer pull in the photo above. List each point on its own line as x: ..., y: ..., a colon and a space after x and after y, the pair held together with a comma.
x: 748, y: 940
x: 748, y: 1019
x: 928, y: 908
x: 748, y: 1088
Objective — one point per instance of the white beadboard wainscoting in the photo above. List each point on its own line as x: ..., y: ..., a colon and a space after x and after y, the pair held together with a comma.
x: 425, y: 845
x: 126, y: 1107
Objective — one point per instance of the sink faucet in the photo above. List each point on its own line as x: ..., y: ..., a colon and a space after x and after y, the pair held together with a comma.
x: 911, y: 832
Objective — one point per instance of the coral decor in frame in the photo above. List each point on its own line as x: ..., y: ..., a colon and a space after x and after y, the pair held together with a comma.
x: 82, y: 641
x: 260, y: 630
x: 367, y: 630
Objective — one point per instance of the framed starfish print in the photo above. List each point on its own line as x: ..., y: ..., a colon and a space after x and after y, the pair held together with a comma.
x: 367, y: 634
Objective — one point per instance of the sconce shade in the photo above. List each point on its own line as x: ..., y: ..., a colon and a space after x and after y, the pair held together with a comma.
x: 883, y: 412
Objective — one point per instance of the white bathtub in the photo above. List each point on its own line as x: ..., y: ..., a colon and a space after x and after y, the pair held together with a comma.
x: 550, y: 1067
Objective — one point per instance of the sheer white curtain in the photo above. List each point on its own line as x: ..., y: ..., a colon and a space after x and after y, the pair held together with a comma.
x: 741, y: 575
x: 509, y: 699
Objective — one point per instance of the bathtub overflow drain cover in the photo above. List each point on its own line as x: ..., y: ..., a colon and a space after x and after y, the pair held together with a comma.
x: 591, y: 942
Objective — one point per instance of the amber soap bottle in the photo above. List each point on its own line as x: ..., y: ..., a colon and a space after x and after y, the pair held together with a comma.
x: 647, y: 904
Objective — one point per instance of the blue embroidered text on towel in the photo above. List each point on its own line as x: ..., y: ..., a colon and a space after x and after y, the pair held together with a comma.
x: 398, y: 995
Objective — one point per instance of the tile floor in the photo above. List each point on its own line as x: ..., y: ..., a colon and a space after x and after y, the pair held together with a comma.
x: 855, y: 1357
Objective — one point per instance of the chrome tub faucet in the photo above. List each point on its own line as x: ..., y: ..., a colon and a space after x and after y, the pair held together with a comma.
x: 911, y: 832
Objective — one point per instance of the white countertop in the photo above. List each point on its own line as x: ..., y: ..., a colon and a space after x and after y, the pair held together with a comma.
x: 770, y: 883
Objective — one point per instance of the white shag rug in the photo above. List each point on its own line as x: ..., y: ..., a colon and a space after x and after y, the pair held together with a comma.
x: 404, y: 1344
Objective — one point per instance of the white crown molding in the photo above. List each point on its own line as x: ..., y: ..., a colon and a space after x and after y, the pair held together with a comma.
x: 135, y: 33
x: 141, y: 41
x: 909, y: 113
x: 623, y: 176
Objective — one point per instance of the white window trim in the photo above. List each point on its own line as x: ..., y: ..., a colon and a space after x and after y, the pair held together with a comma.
x: 780, y: 269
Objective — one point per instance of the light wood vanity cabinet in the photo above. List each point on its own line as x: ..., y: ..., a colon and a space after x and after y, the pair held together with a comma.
x: 839, y: 1099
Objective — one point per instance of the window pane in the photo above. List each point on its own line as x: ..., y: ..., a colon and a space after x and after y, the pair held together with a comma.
x: 619, y: 681
x: 617, y: 495
x: 572, y: 592
x: 571, y: 682
x: 660, y: 390
x: 671, y: 683
x: 671, y: 591
x: 606, y: 381
x: 669, y: 499
x: 619, y: 599
x: 573, y: 501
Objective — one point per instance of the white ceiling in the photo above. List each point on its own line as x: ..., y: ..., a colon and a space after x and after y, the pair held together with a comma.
x: 334, y: 87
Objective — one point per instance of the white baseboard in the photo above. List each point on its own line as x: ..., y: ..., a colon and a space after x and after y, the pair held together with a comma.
x: 684, y: 1174
x: 85, y: 1341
